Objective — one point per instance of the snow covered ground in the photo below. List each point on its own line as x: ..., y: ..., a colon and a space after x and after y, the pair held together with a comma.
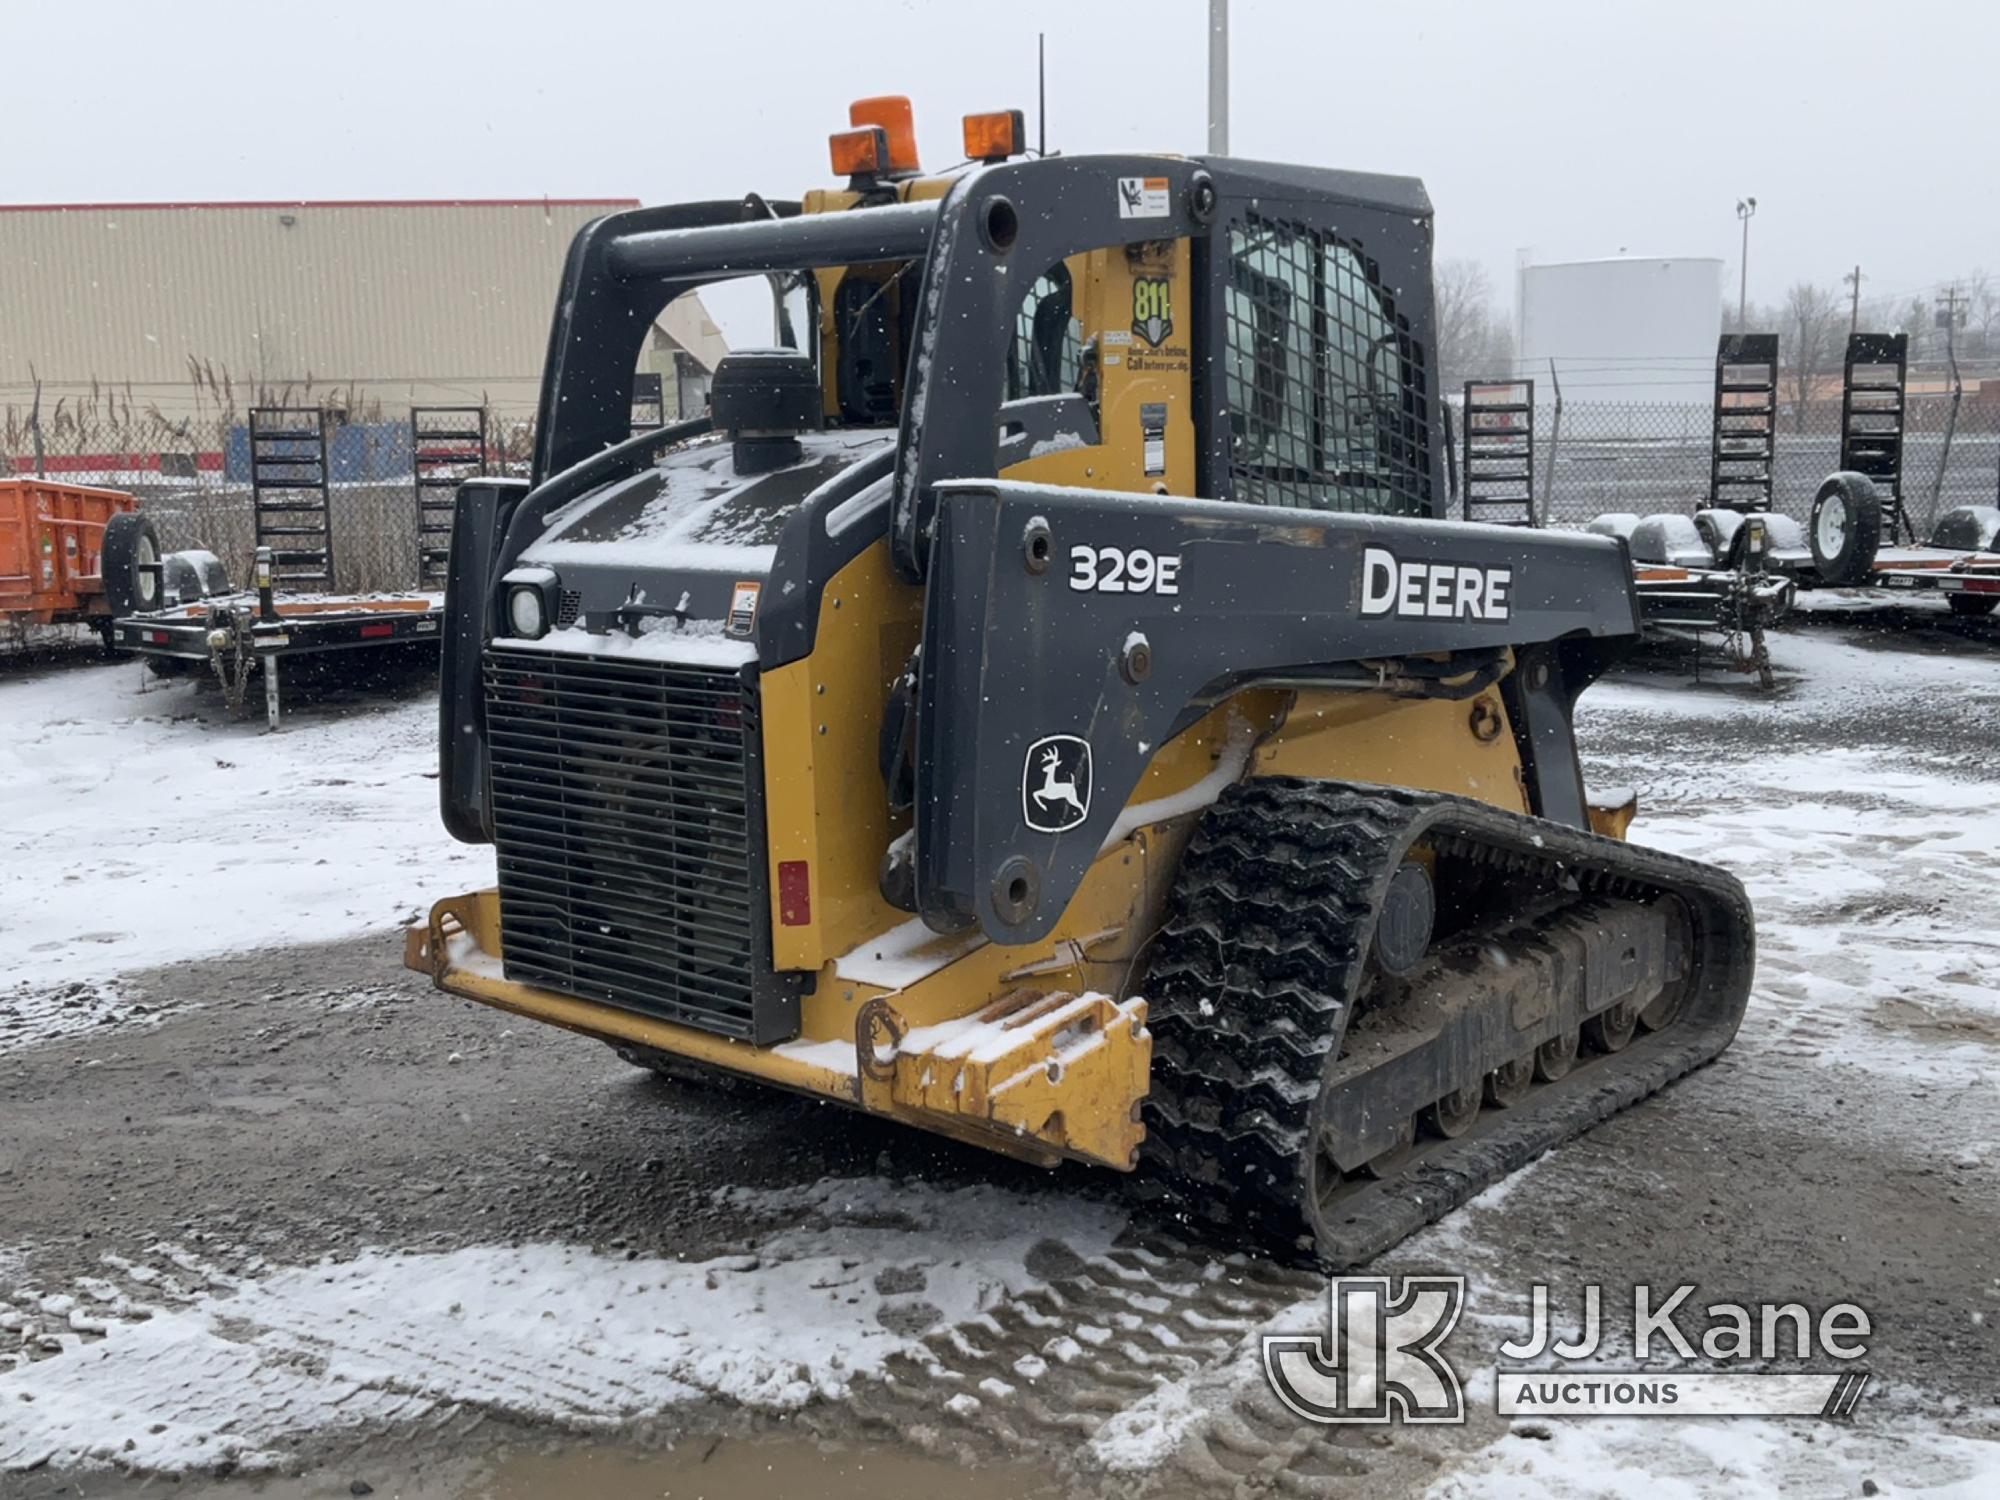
x: 140, y: 824
x: 849, y: 1274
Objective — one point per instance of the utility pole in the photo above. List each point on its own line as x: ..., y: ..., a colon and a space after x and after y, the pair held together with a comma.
x: 1218, y: 77
x: 1746, y: 210
x: 1947, y: 317
x: 1853, y: 280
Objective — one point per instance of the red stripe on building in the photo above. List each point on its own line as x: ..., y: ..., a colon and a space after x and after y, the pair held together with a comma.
x: 80, y: 463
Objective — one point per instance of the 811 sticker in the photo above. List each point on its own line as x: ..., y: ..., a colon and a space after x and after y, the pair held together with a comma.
x: 1116, y: 570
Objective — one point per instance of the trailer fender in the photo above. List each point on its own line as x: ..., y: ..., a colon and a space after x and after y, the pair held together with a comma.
x: 1969, y: 528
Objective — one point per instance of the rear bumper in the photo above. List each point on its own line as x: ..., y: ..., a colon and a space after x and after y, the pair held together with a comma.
x: 1037, y: 1076
x: 1975, y: 578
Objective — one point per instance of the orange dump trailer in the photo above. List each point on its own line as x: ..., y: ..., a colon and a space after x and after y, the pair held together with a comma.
x: 52, y: 548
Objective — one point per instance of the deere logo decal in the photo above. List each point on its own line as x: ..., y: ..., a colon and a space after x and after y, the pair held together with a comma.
x: 1152, y: 309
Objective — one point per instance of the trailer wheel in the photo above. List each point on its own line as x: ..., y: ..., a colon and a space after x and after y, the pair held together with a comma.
x: 1973, y: 604
x: 1846, y: 529
x: 131, y: 551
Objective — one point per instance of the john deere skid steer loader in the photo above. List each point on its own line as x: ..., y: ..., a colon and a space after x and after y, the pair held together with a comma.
x: 1040, y: 703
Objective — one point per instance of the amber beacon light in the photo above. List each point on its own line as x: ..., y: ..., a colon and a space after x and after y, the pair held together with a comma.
x: 860, y: 153
x: 995, y: 136
x: 892, y: 114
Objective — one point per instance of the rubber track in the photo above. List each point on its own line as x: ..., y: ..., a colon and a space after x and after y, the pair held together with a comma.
x: 1264, y: 949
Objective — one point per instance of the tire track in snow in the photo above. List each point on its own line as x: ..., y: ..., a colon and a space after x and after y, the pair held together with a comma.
x: 235, y: 1372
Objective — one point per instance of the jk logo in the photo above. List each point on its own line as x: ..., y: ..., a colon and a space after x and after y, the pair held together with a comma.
x: 1378, y: 1359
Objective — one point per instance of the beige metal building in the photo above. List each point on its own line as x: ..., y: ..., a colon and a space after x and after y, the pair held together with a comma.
x: 179, y: 310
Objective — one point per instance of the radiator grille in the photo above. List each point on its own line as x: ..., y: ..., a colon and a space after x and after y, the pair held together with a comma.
x: 625, y: 831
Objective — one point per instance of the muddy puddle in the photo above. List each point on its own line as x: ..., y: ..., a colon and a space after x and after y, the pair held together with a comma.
x: 710, y: 1468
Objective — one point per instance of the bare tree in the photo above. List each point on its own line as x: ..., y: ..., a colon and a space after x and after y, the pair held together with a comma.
x: 1982, y: 306
x: 1812, y: 321
x: 1915, y: 320
x: 1473, y: 341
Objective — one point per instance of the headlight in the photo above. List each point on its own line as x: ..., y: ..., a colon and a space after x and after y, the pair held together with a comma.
x: 524, y: 612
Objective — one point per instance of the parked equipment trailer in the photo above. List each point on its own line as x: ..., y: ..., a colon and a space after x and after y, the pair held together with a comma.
x: 235, y: 632
x: 71, y: 554
x: 1683, y: 594
x: 1859, y: 533
x: 195, y: 616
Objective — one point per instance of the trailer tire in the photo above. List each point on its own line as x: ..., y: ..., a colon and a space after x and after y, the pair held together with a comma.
x: 131, y: 548
x: 1846, y: 529
x: 1973, y: 604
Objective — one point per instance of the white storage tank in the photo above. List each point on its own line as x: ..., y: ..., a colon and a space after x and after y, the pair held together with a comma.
x: 1628, y: 328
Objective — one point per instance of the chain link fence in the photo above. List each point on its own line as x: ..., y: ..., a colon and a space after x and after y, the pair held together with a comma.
x: 1597, y: 457
x: 192, y: 478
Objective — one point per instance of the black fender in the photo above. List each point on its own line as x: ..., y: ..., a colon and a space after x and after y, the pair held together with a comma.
x: 1019, y: 651
x: 481, y: 510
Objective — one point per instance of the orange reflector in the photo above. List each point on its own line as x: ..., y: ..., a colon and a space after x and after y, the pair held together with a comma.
x: 891, y: 112
x: 795, y: 907
x: 995, y: 136
x: 860, y: 153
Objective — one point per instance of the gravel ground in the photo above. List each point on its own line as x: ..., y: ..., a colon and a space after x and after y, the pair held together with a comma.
x: 287, y: 1219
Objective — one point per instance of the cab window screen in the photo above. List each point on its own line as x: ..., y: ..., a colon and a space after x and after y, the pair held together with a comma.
x: 1327, y: 391
x: 1046, y: 354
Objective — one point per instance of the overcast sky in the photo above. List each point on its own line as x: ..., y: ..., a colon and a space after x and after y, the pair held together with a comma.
x: 1575, y: 128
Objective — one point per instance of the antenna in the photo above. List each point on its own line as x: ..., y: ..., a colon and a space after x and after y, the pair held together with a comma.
x: 1042, y: 92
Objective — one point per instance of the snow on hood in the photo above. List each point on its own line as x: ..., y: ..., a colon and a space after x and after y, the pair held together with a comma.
x: 693, y: 512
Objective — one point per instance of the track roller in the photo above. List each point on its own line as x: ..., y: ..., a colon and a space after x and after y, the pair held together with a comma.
x: 1322, y: 1082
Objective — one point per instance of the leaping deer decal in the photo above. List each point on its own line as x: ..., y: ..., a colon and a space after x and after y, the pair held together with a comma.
x: 1054, y: 790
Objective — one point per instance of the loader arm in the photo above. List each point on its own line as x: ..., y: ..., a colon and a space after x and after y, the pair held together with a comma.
x: 1069, y: 633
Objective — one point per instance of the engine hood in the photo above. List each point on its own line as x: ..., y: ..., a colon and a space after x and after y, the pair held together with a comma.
x: 671, y: 548
x: 692, y: 513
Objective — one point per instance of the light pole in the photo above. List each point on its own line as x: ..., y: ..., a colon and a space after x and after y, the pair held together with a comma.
x: 1746, y: 210
x: 1218, y: 77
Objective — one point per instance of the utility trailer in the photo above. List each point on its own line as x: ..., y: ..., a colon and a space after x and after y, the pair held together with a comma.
x: 1684, y: 594
x: 195, y: 616
x: 65, y: 554
x: 235, y: 632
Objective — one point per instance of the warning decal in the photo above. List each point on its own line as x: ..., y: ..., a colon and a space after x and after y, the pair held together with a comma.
x: 1144, y: 197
